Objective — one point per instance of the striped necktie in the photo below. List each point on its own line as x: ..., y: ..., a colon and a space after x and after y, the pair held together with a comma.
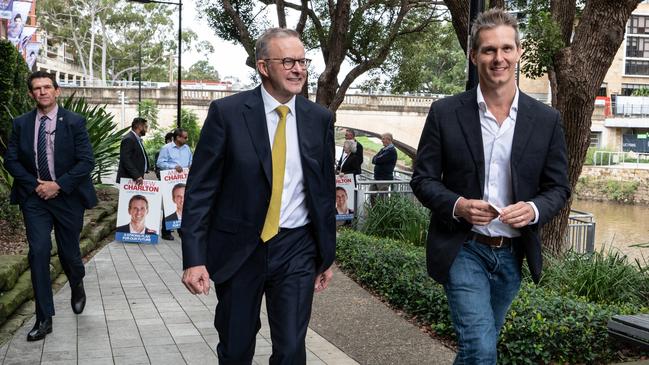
x: 41, y: 150
x: 271, y: 224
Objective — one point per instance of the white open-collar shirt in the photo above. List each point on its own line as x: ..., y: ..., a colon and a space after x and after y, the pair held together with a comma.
x: 293, y: 212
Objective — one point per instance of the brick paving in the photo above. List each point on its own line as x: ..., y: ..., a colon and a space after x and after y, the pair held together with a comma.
x: 138, y: 312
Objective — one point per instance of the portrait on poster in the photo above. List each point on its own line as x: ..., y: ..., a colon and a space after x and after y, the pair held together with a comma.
x: 345, y: 197
x: 138, y: 211
x: 32, y: 50
x: 173, y: 196
x: 18, y: 19
x: 6, y: 9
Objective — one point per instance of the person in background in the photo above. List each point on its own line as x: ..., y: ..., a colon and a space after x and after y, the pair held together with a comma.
x: 50, y: 158
x: 492, y: 167
x: 350, y: 162
x: 176, y: 155
x: 133, y: 160
x: 384, y: 162
x: 350, y: 135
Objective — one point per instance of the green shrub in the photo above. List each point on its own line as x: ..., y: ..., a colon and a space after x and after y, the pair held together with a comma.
x: 13, y: 87
x: 102, y: 132
x: 621, y: 191
x: 542, y: 326
x: 397, y: 217
x: 605, y: 277
x: 10, y: 214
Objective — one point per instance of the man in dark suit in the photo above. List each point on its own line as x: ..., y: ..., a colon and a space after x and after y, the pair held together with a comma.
x: 50, y: 157
x: 492, y: 167
x: 350, y: 135
x: 133, y: 160
x: 259, y: 215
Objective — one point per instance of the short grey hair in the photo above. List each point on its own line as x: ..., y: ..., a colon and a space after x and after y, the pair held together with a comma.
x: 351, y: 144
x: 388, y: 135
x: 261, y: 46
x: 490, y: 19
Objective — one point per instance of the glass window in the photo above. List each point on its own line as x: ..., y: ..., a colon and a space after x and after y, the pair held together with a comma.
x: 636, y: 67
x: 595, y: 139
x: 638, y: 24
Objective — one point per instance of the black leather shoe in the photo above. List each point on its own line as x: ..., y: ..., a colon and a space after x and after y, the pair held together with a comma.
x: 40, y: 330
x: 168, y: 237
x: 78, y: 299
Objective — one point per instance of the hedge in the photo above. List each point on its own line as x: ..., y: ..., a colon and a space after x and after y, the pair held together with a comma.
x: 541, y: 327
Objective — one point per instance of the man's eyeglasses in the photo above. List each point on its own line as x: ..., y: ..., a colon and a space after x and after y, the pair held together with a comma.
x: 289, y: 63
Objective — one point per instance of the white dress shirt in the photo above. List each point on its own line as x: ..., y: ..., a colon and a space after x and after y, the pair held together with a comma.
x: 497, y: 147
x: 293, y: 212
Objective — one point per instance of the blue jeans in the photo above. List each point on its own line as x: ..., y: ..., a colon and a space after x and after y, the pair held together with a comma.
x: 482, y: 284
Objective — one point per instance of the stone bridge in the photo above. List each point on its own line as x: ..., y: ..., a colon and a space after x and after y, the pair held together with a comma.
x: 403, y: 116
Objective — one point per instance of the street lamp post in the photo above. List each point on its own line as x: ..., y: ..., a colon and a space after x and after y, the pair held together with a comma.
x: 180, y: 46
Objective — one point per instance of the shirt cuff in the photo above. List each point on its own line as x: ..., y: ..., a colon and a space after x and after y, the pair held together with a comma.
x: 536, y: 213
x: 455, y: 205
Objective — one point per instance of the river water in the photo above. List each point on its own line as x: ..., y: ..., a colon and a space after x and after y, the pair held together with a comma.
x: 619, y: 226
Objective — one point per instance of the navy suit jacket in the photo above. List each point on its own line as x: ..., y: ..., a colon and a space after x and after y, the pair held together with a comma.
x: 229, y: 184
x: 131, y: 158
x: 73, y: 157
x: 450, y: 164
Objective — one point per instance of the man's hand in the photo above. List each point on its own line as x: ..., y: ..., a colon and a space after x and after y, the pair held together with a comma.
x: 179, y: 168
x: 476, y: 212
x: 322, y: 280
x: 197, y: 280
x: 47, y: 189
x: 517, y: 215
x: 139, y: 181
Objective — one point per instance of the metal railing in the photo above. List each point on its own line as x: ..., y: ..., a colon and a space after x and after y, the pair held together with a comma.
x: 611, y: 158
x: 581, y: 231
x: 580, y: 235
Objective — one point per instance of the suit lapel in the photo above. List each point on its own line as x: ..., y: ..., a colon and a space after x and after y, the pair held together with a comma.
x: 301, y: 113
x: 255, y: 118
x: 522, y: 130
x: 30, y: 129
x: 60, y: 135
x: 469, y: 121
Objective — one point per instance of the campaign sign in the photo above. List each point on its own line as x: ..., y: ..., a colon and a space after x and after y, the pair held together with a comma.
x: 173, y: 196
x: 138, y: 211
x: 345, y: 197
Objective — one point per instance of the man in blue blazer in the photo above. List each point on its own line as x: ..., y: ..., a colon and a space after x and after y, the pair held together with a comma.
x: 50, y: 157
x: 259, y: 215
x: 492, y: 167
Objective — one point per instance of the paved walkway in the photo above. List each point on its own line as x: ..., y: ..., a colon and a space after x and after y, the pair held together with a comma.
x: 138, y: 312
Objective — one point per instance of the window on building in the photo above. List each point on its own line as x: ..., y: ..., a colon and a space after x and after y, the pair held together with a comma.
x: 636, y: 67
x: 628, y: 89
x: 637, y: 46
x: 595, y: 139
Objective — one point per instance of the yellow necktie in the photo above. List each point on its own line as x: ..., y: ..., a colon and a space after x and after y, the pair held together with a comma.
x: 271, y: 225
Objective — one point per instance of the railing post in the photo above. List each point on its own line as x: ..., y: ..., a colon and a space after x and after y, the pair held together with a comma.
x: 590, y: 238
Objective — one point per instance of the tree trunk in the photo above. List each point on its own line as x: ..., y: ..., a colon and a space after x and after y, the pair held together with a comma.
x: 460, y: 18
x: 580, y: 70
x: 328, y: 80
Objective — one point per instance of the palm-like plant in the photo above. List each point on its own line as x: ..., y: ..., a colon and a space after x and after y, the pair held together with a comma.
x: 104, y: 137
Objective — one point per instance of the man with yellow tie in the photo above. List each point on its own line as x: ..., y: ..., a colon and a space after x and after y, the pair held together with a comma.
x: 259, y: 214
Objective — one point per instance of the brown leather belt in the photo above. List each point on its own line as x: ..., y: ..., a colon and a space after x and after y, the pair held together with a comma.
x: 493, y: 242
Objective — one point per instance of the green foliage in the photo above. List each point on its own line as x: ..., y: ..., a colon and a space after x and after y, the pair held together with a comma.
x: 202, y: 70
x: 430, y: 62
x: 599, y: 277
x: 397, y: 217
x: 103, y: 134
x: 643, y: 91
x: 189, y: 121
x: 542, y: 325
x: 542, y: 41
x: 621, y: 191
x: 615, y: 190
x: 10, y: 214
x: 148, y: 109
x: 13, y: 87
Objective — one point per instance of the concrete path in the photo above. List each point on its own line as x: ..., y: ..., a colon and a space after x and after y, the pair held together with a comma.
x: 138, y: 312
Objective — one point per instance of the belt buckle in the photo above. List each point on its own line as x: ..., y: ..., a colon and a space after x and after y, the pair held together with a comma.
x: 500, y: 244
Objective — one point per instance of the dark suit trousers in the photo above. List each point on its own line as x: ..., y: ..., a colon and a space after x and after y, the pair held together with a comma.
x: 284, y: 270
x: 65, y: 215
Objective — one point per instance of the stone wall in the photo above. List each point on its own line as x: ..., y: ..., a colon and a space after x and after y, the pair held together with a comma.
x: 600, y: 183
